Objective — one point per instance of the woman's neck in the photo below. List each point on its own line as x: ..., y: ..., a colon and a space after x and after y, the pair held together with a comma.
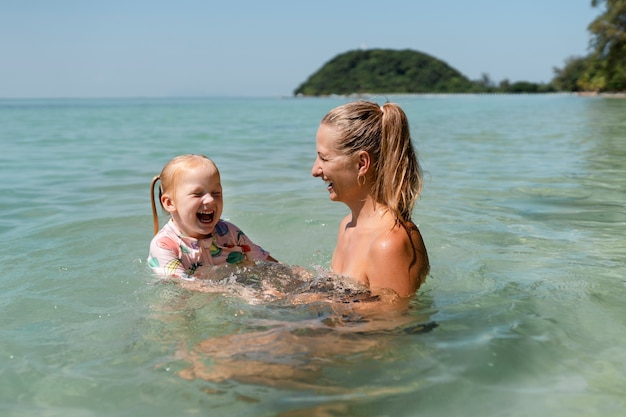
x: 364, y: 211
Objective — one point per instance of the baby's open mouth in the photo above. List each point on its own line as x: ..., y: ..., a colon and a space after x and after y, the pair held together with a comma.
x: 206, y: 216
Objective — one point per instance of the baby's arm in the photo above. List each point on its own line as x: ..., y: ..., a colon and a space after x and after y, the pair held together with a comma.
x: 252, y: 251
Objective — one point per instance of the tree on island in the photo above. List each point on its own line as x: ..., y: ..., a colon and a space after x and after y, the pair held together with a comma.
x: 384, y: 71
x: 604, y: 69
x: 607, y: 64
x: 387, y: 71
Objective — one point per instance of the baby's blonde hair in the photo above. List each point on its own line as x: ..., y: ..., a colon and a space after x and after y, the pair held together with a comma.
x: 171, y: 176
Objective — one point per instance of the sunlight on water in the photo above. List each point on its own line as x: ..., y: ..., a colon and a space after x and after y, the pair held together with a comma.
x: 523, y: 214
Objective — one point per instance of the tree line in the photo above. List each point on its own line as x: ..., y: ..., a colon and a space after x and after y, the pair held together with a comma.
x: 604, y: 68
x: 382, y: 71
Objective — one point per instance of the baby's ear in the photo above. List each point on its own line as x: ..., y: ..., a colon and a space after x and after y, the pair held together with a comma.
x: 168, y: 203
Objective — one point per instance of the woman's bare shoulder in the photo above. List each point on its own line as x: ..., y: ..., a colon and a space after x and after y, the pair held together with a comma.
x: 401, y: 251
x: 394, y: 240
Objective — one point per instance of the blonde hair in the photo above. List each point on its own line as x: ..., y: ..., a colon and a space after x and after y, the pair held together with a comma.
x: 382, y: 131
x: 171, y: 176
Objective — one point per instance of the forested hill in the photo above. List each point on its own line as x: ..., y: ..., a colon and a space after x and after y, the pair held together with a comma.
x: 384, y: 71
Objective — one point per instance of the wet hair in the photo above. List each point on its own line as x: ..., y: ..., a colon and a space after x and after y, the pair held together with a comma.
x: 382, y: 131
x: 172, y: 174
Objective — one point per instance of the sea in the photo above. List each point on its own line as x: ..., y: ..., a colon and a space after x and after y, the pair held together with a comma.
x: 523, y: 212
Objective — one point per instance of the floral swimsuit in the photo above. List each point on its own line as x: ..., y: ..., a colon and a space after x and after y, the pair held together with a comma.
x: 172, y: 254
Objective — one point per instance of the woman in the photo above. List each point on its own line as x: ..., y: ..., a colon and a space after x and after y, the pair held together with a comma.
x: 366, y: 158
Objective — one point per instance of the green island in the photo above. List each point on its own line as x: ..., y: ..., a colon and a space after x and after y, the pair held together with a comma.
x: 388, y: 71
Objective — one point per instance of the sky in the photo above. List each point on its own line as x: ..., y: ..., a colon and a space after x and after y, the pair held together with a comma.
x: 154, y: 48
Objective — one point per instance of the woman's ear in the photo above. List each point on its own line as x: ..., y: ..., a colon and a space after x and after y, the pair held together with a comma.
x: 364, y: 161
x: 168, y: 203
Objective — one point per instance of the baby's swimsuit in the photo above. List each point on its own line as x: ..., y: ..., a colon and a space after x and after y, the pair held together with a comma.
x: 172, y: 254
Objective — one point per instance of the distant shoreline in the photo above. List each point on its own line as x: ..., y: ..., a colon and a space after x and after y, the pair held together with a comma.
x: 605, y: 95
x: 288, y: 96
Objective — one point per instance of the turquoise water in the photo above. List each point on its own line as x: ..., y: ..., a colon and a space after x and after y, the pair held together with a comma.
x: 523, y: 212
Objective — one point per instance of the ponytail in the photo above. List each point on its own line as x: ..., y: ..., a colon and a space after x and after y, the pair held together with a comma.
x: 155, y: 215
x: 399, y: 176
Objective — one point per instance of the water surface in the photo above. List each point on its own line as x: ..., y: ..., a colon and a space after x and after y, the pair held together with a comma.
x: 523, y: 213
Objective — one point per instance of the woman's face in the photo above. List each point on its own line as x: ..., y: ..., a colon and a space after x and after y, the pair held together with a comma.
x: 338, y: 171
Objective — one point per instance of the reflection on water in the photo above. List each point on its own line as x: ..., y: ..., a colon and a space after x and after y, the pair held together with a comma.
x: 312, y: 326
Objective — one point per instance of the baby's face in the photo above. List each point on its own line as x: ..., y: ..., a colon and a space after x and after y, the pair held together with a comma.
x: 198, y: 202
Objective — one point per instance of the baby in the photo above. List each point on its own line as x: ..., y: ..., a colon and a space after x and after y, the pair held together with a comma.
x: 191, y: 192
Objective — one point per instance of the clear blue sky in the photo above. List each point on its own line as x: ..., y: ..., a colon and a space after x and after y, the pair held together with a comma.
x: 122, y: 48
